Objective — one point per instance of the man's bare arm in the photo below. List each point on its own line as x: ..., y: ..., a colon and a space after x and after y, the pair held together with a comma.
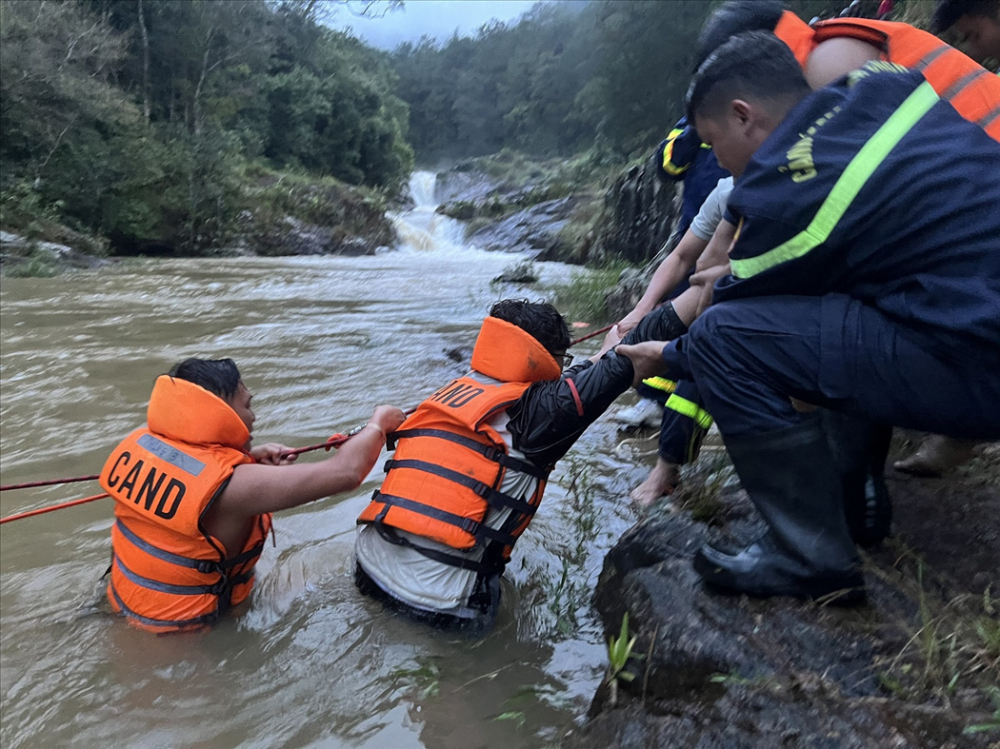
x: 835, y: 58
x: 255, y: 489
x: 670, y: 273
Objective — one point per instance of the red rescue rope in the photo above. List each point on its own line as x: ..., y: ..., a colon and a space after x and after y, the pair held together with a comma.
x: 51, y: 508
x: 595, y: 333
x: 335, y: 441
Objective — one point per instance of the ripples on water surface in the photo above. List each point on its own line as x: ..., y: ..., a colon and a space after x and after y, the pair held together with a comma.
x: 320, y: 341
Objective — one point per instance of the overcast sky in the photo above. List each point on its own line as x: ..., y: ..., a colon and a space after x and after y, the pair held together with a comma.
x: 435, y: 18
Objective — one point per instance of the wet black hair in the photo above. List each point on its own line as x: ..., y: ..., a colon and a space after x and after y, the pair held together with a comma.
x: 755, y: 65
x: 219, y: 376
x: 947, y: 12
x: 540, y: 319
x: 736, y: 17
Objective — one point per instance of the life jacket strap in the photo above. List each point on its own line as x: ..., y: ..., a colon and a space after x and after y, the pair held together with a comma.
x: 171, y: 623
x: 438, y: 556
x: 490, y: 453
x: 205, y: 566
x: 482, y: 533
x: 496, y: 499
x: 466, y: 524
x: 180, y: 590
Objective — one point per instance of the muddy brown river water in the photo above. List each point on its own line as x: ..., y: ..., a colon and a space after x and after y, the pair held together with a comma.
x: 310, y: 663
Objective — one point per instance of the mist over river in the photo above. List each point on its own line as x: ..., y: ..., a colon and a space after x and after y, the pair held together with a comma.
x: 310, y: 663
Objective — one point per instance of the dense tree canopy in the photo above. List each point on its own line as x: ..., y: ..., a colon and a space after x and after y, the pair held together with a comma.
x: 139, y: 119
x: 133, y: 118
x: 566, y: 77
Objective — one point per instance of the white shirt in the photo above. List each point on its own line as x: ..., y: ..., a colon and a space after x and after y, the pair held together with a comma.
x: 712, y: 210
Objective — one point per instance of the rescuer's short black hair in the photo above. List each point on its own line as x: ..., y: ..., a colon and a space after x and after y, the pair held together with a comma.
x: 755, y: 65
x: 736, y: 17
x: 540, y: 319
x: 947, y: 12
x: 219, y: 376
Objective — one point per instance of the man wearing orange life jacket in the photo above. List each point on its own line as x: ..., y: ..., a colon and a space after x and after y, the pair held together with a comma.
x: 830, y: 49
x: 193, y: 499
x: 470, y: 467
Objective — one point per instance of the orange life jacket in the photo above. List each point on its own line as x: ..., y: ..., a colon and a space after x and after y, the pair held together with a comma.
x: 969, y: 87
x: 167, y: 572
x: 449, y: 463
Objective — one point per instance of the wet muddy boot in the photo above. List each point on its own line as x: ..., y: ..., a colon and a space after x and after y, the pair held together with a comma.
x: 936, y: 456
x: 859, y: 450
x: 807, y: 551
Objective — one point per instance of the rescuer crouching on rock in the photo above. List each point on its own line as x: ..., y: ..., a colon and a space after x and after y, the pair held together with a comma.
x: 470, y: 467
x: 866, y: 264
x: 193, y: 499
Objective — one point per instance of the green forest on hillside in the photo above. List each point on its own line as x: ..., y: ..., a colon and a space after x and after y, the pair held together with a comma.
x: 157, y: 122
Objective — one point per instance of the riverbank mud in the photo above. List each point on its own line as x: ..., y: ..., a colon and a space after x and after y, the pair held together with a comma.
x: 914, y: 666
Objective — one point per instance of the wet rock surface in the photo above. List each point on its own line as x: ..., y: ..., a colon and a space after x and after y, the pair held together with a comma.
x: 908, y: 668
x: 641, y: 211
x: 292, y: 236
x: 17, y: 251
x: 534, y: 229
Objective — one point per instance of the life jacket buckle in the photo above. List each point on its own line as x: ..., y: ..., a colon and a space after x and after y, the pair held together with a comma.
x: 221, y: 586
x: 206, y: 567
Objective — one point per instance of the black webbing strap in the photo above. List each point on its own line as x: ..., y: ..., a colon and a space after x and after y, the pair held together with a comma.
x: 177, y: 590
x: 205, y: 619
x: 470, y: 526
x: 438, y: 556
x: 494, y: 498
x: 246, y: 556
x: 491, y: 453
x: 466, y: 524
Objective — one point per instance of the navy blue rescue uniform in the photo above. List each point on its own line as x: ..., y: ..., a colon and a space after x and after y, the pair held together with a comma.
x: 866, y: 270
x: 684, y: 424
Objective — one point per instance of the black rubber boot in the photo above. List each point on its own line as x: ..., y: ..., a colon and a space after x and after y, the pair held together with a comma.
x: 859, y: 450
x: 807, y: 552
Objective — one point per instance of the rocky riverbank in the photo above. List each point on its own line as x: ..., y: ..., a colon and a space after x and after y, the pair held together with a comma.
x: 279, y: 214
x: 918, y: 665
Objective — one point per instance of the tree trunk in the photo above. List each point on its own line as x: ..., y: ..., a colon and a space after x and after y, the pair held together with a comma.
x: 145, y: 63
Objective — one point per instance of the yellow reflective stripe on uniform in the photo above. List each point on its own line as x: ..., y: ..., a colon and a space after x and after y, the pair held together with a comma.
x: 855, y: 176
x: 668, y: 154
x: 660, y: 383
x: 684, y: 407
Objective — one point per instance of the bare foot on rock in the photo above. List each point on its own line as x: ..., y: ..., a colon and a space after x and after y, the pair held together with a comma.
x: 660, y: 482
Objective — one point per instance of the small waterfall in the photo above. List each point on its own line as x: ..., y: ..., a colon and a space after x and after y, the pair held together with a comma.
x: 422, y: 188
x: 423, y: 230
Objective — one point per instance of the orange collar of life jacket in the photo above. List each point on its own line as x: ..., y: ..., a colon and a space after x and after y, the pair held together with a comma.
x: 507, y: 353
x: 183, y: 411
x: 797, y: 35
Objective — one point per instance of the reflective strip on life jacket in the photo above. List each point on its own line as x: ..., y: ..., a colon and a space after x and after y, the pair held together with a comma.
x: 847, y: 187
